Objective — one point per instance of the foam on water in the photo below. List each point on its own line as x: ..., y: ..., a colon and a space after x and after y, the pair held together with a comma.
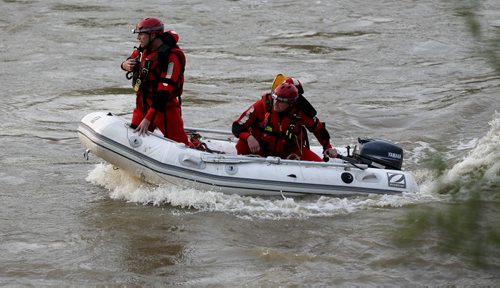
x: 123, y: 186
x: 479, y: 168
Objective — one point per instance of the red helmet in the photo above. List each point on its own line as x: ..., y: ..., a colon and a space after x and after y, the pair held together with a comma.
x: 149, y: 25
x: 296, y: 83
x: 286, y: 92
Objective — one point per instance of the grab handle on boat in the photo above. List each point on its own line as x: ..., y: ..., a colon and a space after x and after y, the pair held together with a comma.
x: 86, y: 154
x: 273, y: 160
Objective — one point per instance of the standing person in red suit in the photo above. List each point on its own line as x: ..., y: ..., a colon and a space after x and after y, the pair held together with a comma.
x: 275, y: 126
x: 156, y: 68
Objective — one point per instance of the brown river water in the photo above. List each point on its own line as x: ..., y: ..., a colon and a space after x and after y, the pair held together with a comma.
x: 408, y: 71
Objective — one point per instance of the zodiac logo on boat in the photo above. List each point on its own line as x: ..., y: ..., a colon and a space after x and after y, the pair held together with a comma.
x: 396, y: 180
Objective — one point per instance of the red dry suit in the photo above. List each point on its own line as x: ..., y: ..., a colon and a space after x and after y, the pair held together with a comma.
x: 158, y: 82
x: 280, y: 134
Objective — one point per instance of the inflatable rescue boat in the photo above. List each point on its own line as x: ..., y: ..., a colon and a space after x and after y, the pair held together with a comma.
x: 372, y: 167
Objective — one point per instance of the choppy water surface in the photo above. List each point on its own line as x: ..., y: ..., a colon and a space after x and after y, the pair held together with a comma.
x: 407, y: 71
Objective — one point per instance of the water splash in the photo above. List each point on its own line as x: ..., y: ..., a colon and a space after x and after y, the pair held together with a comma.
x: 481, y: 166
x: 124, y: 186
x: 478, y: 171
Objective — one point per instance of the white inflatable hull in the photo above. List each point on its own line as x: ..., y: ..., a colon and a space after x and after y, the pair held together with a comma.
x: 158, y: 160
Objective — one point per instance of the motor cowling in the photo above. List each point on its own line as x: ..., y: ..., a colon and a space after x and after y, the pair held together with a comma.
x: 378, y: 153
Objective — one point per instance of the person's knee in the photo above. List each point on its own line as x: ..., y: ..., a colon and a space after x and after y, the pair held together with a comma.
x: 308, y: 155
x: 242, y: 147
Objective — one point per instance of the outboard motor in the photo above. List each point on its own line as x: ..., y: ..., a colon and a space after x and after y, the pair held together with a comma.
x: 379, y: 153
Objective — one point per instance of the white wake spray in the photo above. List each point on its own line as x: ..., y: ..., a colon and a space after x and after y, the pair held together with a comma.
x: 123, y: 186
x: 480, y: 168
